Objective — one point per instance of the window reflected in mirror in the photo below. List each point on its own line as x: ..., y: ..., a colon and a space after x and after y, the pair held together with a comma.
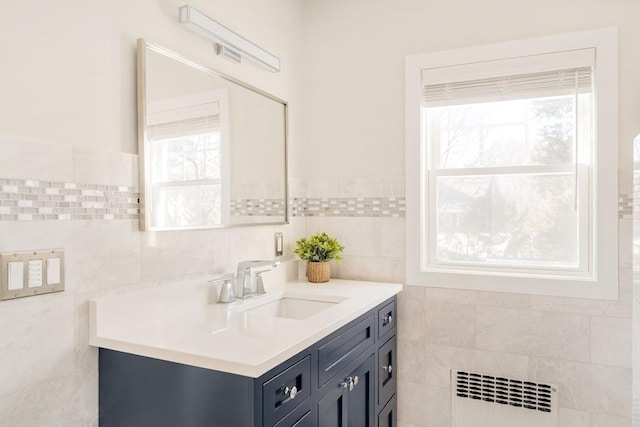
x: 213, y: 150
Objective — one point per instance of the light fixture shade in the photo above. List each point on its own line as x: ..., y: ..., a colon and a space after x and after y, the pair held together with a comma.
x: 233, y: 46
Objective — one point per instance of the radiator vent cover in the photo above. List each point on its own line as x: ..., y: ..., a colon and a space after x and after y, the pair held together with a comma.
x: 484, y: 400
x: 506, y: 391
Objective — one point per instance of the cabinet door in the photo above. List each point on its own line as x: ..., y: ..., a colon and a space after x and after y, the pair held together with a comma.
x: 387, y: 374
x: 350, y: 402
x: 361, y: 400
x: 387, y: 416
x: 332, y: 409
x: 303, y: 418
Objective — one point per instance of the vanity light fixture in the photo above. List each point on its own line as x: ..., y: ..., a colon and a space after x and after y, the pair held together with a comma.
x: 227, y: 43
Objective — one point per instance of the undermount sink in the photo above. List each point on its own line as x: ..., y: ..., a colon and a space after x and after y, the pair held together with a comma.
x: 290, y: 307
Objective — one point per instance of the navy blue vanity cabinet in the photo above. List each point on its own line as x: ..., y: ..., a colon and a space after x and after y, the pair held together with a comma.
x: 346, y: 379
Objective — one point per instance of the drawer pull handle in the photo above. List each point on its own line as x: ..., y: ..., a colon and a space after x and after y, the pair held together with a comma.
x: 291, y: 392
x: 388, y: 369
x: 387, y: 319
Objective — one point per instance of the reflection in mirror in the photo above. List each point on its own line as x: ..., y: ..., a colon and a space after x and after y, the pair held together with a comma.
x: 212, y: 150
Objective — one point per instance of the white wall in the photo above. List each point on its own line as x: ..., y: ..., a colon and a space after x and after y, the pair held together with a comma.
x: 68, y: 115
x: 354, y: 131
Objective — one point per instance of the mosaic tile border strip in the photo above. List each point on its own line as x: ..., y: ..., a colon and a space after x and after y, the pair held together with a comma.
x: 393, y: 207
x: 33, y: 200
x: 625, y: 206
x: 258, y: 207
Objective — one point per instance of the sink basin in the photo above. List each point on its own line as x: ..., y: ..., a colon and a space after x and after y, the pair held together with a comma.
x: 290, y: 307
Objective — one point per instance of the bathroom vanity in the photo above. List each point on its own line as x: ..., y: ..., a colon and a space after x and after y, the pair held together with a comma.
x: 300, y: 355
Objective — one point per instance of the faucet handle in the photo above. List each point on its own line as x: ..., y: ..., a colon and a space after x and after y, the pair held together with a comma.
x: 226, y: 289
x: 260, y: 283
x: 222, y: 279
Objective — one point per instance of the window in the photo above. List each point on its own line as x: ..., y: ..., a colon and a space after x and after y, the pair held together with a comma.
x: 507, y: 178
x: 187, y: 161
x: 506, y: 189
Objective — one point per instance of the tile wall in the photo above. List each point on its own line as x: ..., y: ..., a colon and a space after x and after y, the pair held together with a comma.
x: 48, y: 372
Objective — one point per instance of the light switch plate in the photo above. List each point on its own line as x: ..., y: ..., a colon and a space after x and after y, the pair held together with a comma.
x: 29, y: 273
x: 279, y: 244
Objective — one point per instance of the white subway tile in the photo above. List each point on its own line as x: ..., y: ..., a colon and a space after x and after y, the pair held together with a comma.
x: 107, y: 168
x: 411, y: 364
x: 423, y: 405
x: 33, y: 160
x: 602, y: 420
x: 375, y: 269
x: 585, y: 386
x: 450, y: 324
x: 572, y: 418
x: 412, y: 316
x: 37, y: 340
x: 546, y: 334
x: 392, y: 240
x: 464, y: 296
x: 611, y: 341
x: 65, y: 401
x: 176, y: 253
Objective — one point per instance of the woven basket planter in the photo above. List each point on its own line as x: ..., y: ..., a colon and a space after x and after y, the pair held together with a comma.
x: 318, y: 272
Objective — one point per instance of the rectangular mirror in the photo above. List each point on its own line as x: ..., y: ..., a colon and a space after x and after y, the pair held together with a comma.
x: 212, y: 150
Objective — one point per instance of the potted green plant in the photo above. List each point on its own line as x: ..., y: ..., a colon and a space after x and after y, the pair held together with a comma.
x: 318, y: 250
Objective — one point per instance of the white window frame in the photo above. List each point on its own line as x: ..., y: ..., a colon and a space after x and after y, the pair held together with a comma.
x: 601, y: 279
x: 184, y: 108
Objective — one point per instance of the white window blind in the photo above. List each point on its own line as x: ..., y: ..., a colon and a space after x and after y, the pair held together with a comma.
x: 508, y: 87
x: 182, y: 128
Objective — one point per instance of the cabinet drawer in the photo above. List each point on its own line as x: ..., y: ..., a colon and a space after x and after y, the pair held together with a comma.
x: 386, y: 374
x: 343, y: 349
x: 284, y: 392
x: 388, y: 415
x: 386, y: 319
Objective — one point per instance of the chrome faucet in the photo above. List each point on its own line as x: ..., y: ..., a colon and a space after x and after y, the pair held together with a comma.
x: 249, y: 282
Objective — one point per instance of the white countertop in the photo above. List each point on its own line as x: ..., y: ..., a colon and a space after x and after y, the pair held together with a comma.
x: 183, y: 323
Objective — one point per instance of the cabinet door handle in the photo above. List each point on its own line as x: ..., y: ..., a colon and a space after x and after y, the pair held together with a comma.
x: 388, y: 369
x: 349, y: 383
x: 387, y: 319
x: 291, y: 392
